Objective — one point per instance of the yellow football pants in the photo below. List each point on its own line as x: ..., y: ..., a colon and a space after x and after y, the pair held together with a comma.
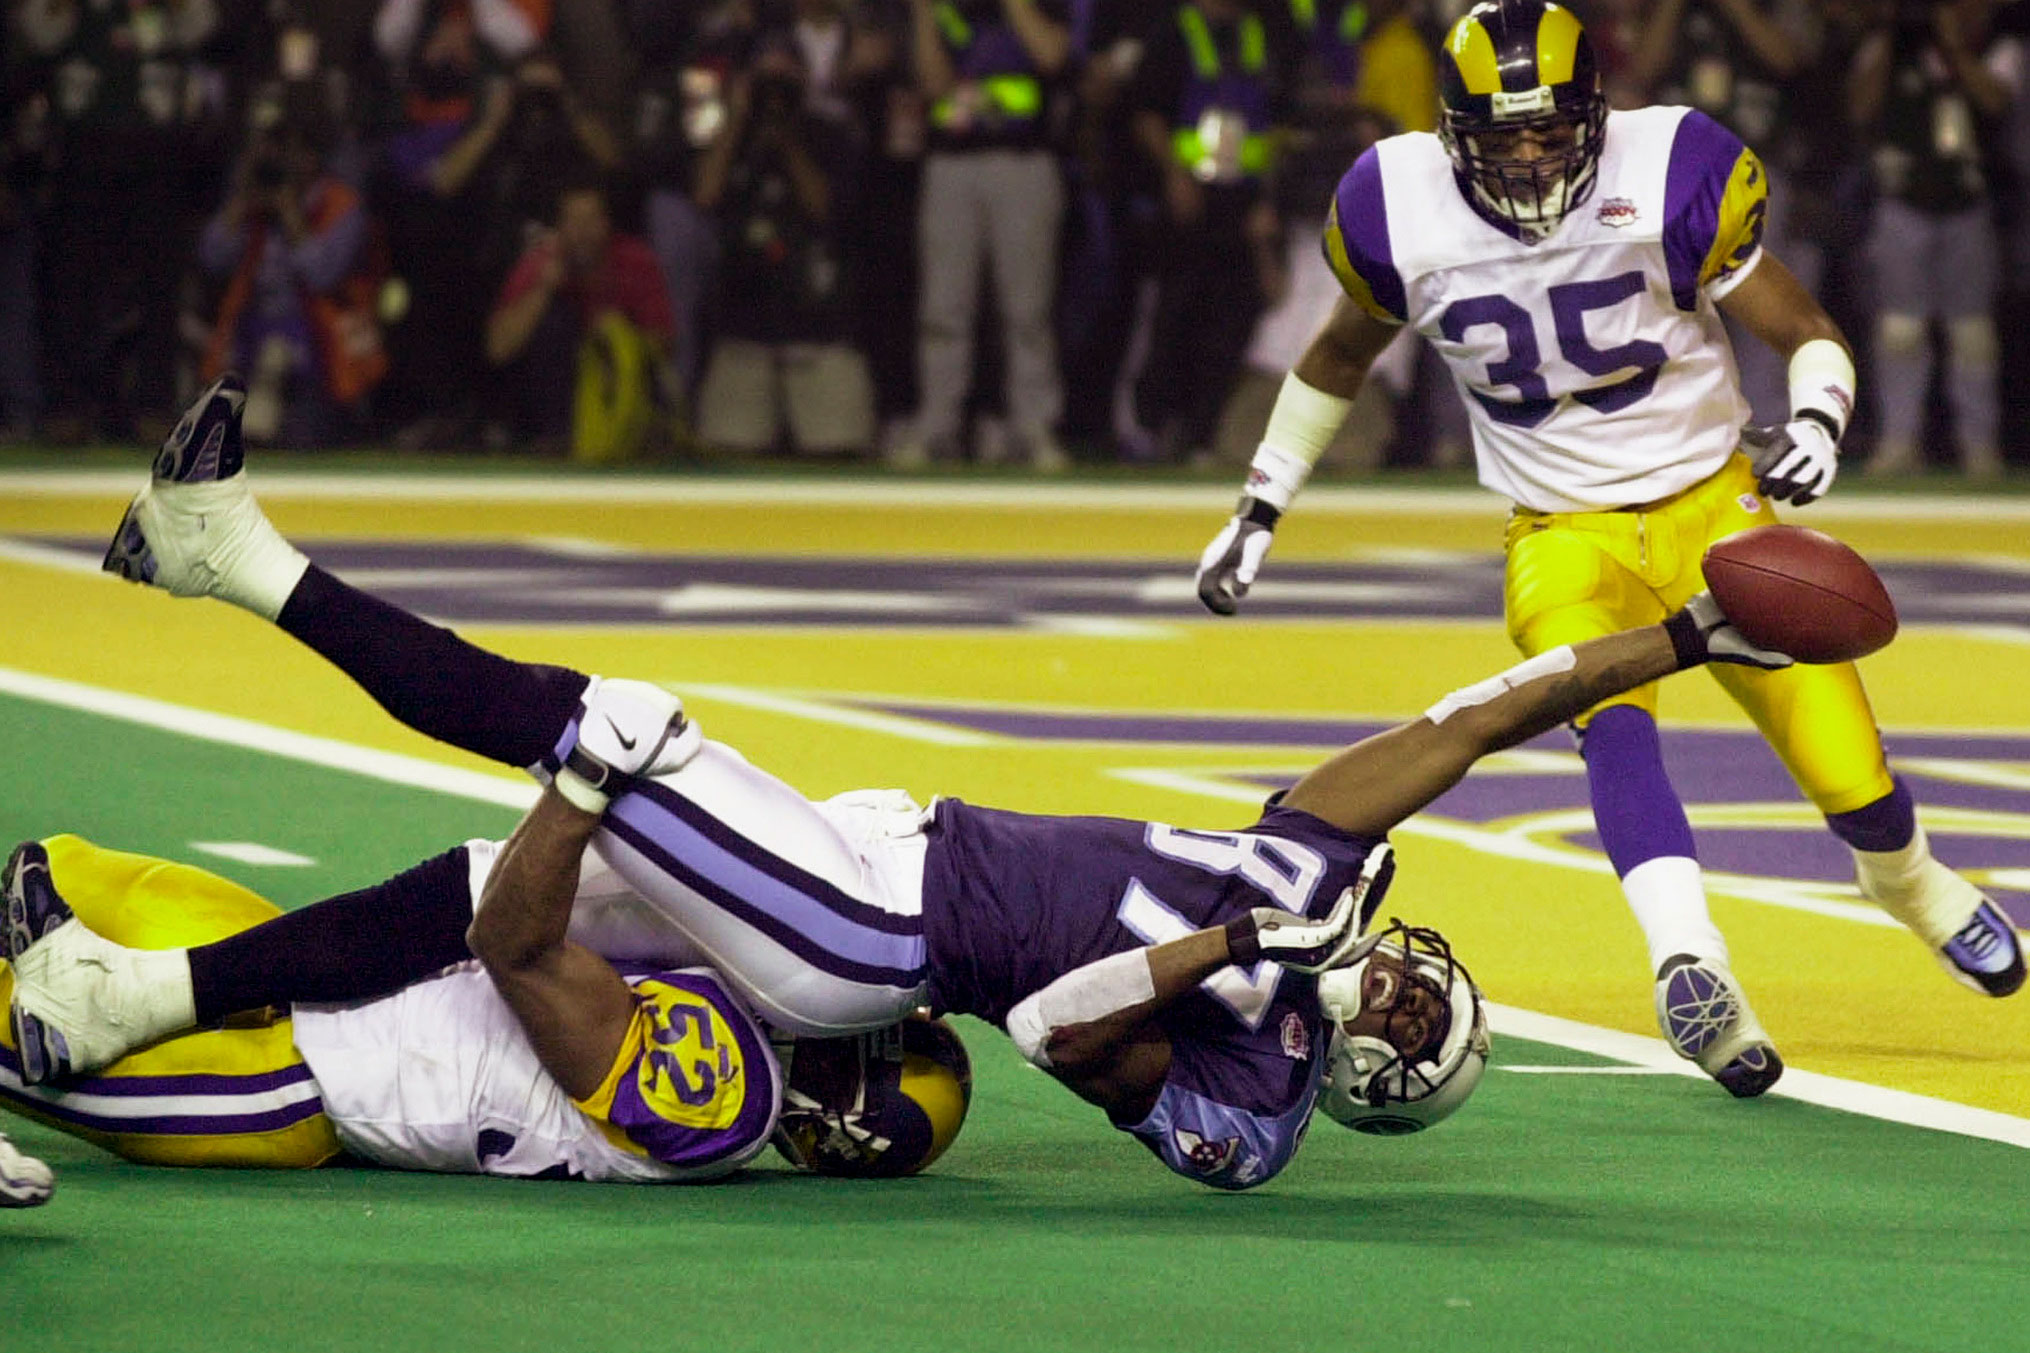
x: 1574, y: 576
x: 238, y: 1096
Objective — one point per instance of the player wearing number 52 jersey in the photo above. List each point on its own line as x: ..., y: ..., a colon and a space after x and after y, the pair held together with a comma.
x: 1571, y: 266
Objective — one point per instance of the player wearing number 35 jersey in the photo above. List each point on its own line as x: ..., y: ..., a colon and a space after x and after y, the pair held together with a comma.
x: 1571, y: 265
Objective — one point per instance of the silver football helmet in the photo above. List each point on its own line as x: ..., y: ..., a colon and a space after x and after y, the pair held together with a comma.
x: 1371, y: 1083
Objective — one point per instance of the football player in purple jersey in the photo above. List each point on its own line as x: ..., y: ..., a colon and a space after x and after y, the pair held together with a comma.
x: 1206, y: 989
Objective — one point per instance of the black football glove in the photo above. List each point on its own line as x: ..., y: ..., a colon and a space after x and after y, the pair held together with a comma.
x: 1227, y: 568
x: 1701, y: 633
x: 1794, y: 462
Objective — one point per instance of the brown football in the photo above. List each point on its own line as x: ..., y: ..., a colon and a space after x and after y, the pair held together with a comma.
x: 1800, y: 592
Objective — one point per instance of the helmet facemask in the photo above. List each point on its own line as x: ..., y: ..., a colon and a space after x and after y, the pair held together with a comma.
x: 1524, y: 118
x: 1434, y: 1043
x: 1530, y: 195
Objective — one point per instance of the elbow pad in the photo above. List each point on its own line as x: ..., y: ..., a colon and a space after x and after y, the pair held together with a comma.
x: 1115, y: 983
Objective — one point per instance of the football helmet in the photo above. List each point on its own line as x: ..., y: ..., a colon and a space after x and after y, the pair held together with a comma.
x: 1511, y: 67
x: 1373, y: 1085
x: 874, y: 1105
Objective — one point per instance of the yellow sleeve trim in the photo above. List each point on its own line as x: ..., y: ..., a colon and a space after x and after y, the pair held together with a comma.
x: 599, y: 1104
x: 1350, y: 280
x: 1738, y: 233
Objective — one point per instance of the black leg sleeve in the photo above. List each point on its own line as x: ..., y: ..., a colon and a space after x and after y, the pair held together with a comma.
x: 432, y: 680
x: 353, y: 947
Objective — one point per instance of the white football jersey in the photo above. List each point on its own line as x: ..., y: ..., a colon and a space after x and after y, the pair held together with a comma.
x: 441, y: 1077
x: 1593, y: 364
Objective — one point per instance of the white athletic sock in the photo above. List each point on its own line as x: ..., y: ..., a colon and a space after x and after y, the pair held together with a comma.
x: 1668, y: 896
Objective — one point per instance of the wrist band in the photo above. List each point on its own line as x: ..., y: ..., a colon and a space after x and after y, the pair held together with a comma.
x: 1822, y: 385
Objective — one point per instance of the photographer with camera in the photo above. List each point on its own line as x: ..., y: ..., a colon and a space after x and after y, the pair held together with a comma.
x: 776, y: 182
x: 581, y: 330
x: 297, y: 309
x: 1930, y: 88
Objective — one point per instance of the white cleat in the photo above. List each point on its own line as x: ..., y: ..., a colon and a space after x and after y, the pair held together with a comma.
x: 1973, y: 941
x: 24, y: 1180
x: 1706, y: 1019
x: 195, y: 530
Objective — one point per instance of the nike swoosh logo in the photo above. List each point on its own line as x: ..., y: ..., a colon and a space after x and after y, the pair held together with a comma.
x: 626, y: 742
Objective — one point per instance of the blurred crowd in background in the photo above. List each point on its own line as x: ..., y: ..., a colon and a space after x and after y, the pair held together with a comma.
x: 908, y: 231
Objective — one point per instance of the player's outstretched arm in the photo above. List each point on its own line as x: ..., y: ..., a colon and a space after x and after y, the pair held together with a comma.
x: 1314, y: 401
x: 1376, y: 783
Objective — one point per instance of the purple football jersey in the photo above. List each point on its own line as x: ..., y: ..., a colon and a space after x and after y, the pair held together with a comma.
x: 1012, y: 901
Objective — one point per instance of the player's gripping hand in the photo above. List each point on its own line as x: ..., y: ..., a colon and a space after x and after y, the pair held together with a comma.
x: 1227, y: 568
x: 1298, y: 943
x: 628, y: 729
x: 1794, y: 462
x: 1702, y: 633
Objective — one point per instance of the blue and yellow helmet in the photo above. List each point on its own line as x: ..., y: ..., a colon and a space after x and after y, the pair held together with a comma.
x: 874, y: 1105
x: 1523, y: 113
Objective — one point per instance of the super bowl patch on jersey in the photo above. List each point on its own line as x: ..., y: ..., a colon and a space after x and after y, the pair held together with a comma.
x: 1618, y: 212
x: 1296, y: 1038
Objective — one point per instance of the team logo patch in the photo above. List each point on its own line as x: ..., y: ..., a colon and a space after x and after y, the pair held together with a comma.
x: 1748, y: 502
x: 1206, y: 1157
x: 1296, y: 1038
x: 1618, y: 212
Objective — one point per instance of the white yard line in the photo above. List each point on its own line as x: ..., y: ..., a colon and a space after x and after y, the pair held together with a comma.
x: 1831, y: 1092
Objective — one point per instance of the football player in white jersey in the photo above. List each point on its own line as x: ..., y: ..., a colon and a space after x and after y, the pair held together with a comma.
x: 1572, y: 265
x: 537, y: 1060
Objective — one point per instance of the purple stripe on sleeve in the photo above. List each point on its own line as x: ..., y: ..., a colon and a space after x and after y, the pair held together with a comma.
x: 1364, y: 229
x: 1702, y: 160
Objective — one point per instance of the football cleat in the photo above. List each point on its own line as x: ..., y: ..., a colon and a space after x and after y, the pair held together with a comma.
x: 34, y: 907
x: 24, y: 1180
x: 206, y: 445
x: 35, y: 912
x: 1706, y: 1019
x: 1985, y: 953
x: 195, y: 530
x: 81, y: 1002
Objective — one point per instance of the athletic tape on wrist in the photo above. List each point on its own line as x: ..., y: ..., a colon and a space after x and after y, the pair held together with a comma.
x: 1822, y: 385
x: 1302, y: 424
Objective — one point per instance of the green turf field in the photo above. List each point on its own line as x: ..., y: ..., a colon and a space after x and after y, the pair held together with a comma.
x: 1580, y: 1202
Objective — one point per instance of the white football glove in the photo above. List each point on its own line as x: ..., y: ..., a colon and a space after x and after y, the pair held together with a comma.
x: 1227, y: 568
x: 1701, y: 633
x: 627, y: 729
x: 1296, y: 942
x: 1795, y: 462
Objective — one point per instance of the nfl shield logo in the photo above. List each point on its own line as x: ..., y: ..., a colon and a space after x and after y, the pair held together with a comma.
x: 1618, y: 212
